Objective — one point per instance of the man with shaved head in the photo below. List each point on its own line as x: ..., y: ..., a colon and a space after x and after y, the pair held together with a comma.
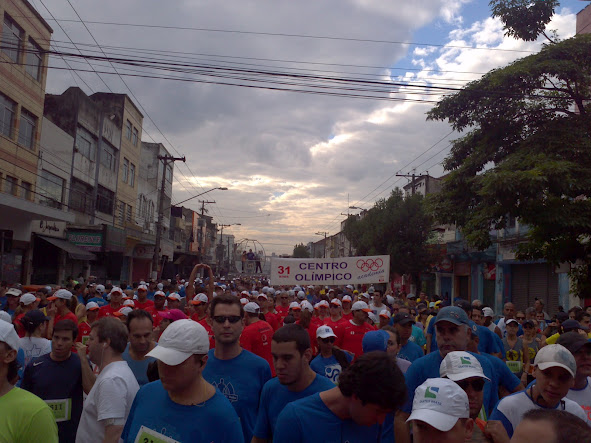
x: 509, y: 313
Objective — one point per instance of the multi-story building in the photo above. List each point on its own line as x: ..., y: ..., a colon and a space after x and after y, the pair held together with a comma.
x: 583, y: 25
x: 24, y: 39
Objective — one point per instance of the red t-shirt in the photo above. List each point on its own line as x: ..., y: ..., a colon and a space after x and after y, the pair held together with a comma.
x: 350, y: 336
x: 108, y: 311
x: 207, y: 327
x: 348, y: 316
x: 145, y: 305
x: 83, y: 331
x: 273, y: 320
x: 256, y: 338
x: 20, y: 329
x: 282, y: 312
x: 69, y: 316
x: 156, y: 319
x: 333, y: 324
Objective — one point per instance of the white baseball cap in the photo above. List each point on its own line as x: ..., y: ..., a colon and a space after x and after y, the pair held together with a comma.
x: 488, y: 312
x: 5, y: 316
x: 175, y: 296
x: 64, y: 294
x: 459, y: 365
x: 8, y: 335
x: 551, y: 356
x: 116, y: 289
x: 360, y: 306
x: 252, y: 307
x: 100, y: 288
x: 244, y: 301
x: 28, y: 298
x: 159, y: 294
x: 142, y: 288
x: 364, y: 295
x: 127, y: 303
x: 307, y: 305
x: 390, y: 299
x: 124, y: 311
x: 301, y: 295
x: 371, y: 290
x: 440, y: 403
x: 263, y: 296
x: 160, y: 286
x: 295, y: 305
x: 322, y: 303
x: 200, y: 299
x: 347, y: 298
x: 91, y: 306
x: 14, y: 292
x: 336, y: 301
x: 180, y: 340
x: 325, y: 332
x: 385, y: 313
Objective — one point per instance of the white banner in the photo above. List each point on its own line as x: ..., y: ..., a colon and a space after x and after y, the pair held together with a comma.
x: 330, y: 271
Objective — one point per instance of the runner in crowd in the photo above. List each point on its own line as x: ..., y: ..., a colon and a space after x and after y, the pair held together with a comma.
x: 554, y: 369
x: 393, y: 346
x: 295, y: 379
x: 13, y: 296
x: 28, y: 302
x: 57, y: 378
x: 551, y: 426
x: 142, y: 301
x: 239, y: 374
x: 182, y: 406
x: 350, y: 333
x: 62, y: 307
x: 410, y: 351
x: 34, y: 344
x: 353, y: 411
x: 159, y: 301
x: 109, y: 401
x: 256, y: 335
x: 139, y: 326
x: 24, y: 417
x: 115, y: 303
x: 347, y: 303
x: 517, y: 360
x: 92, y: 310
x: 330, y: 361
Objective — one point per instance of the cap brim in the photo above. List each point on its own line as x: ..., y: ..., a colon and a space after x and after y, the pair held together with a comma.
x: 326, y: 336
x: 552, y: 364
x: 170, y: 357
x: 438, y: 420
x: 455, y: 322
x: 466, y: 374
x: 364, y: 310
x: 92, y: 309
x: 52, y: 298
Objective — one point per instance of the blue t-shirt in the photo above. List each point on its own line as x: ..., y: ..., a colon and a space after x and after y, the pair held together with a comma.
x: 410, y: 351
x: 418, y: 336
x: 150, y: 295
x: 486, y: 340
x: 60, y: 381
x: 275, y: 397
x: 241, y: 380
x: 309, y: 421
x: 431, y: 330
x: 99, y: 301
x: 156, y: 415
x: 329, y: 367
x: 138, y: 367
x: 428, y: 367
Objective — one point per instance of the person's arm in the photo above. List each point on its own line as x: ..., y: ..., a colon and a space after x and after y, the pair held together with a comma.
x: 429, y: 338
x: 190, y: 289
x: 112, y: 433
x: 401, y: 427
x: 210, y: 284
x: 88, y: 377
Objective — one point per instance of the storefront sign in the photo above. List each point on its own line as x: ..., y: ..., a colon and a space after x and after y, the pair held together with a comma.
x: 49, y: 228
x: 330, y: 271
x: 91, y: 241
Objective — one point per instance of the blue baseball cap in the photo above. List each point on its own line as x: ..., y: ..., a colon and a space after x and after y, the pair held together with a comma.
x: 375, y: 341
x: 454, y: 315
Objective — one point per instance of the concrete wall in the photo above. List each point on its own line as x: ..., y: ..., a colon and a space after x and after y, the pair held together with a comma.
x: 55, y: 155
x: 584, y: 21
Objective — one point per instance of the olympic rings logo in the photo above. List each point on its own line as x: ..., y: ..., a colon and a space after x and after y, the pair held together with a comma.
x: 370, y: 264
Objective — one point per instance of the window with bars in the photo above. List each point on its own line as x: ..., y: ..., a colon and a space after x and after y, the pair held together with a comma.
x: 34, y: 59
x: 26, y: 131
x: 131, y: 175
x: 129, y: 212
x: 125, y: 170
x: 128, y: 130
x: 80, y: 197
x: 7, y: 111
x: 50, y: 189
x: 108, y: 159
x: 121, y: 212
x: 27, y: 190
x: 134, y: 137
x: 12, y: 39
x: 104, y: 200
x: 11, y: 185
x: 86, y: 144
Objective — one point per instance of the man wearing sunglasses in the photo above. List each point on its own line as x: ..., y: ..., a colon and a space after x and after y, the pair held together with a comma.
x: 580, y: 347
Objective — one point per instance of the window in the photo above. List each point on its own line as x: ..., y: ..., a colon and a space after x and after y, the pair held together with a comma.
x: 34, y: 59
x: 86, y: 144
x: 12, y: 39
x: 169, y: 174
x: 108, y: 157
x: 134, y: 137
x: 128, y: 130
x: 131, y: 175
x: 50, y: 188
x: 11, y: 185
x: 129, y: 212
x: 125, y: 170
x: 104, y: 200
x: 27, y: 190
x: 121, y: 211
x: 80, y: 197
x: 26, y: 132
x: 7, y: 110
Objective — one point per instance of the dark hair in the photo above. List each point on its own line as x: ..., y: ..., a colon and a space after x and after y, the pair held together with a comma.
x: 305, y: 318
x: 13, y: 366
x: 138, y: 314
x: 226, y: 300
x: 568, y: 427
x: 110, y: 328
x: 359, y: 379
x: 289, y: 319
x: 67, y: 325
x: 152, y: 371
x: 29, y: 324
x: 295, y: 333
x: 78, y: 286
x: 581, y: 314
x: 478, y: 308
x: 341, y: 357
x: 393, y: 330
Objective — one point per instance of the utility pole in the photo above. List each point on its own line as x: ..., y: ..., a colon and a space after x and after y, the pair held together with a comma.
x: 325, y: 234
x: 166, y: 159
x: 412, y: 176
x: 200, y: 238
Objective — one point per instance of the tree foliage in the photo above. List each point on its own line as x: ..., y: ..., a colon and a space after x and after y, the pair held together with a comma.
x: 397, y: 226
x: 526, y: 152
x: 300, y: 251
x: 524, y: 19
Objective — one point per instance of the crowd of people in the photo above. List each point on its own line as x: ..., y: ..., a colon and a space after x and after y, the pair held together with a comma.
x: 216, y: 360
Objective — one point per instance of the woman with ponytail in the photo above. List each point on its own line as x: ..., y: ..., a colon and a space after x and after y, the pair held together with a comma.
x: 33, y: 344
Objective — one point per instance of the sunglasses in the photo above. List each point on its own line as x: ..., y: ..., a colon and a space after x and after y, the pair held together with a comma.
x: 221, y: 319
x: 327, y: 340
x: 477, y: 385
x: 520, y: 318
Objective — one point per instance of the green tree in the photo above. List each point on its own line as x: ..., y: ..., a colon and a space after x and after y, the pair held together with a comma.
x: 300, y: 251
x: 525, y: 153
x: 397, y: 226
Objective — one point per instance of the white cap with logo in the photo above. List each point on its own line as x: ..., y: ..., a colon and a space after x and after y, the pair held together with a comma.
x: 179, y: 341
x: 325, y: 332
x: 459, y: 365
x: 440, y: 403
x: 552, y: 356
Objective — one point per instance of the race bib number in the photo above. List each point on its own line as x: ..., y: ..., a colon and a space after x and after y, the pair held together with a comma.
x: 515, y: 366
x: 147, y: 435
x: 62, y: 409
x: 85, y: 339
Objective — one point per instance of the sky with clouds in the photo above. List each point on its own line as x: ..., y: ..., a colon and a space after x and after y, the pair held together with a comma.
x: 293, y: 162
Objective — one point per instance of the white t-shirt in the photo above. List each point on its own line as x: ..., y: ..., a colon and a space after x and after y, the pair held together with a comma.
x: 110, y: 398
x: 583, y: 398
x: 510, y: 410
x: 34, y: 347
x: 377, y: 309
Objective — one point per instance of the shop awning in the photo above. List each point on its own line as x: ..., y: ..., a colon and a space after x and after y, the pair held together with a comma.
x: 74, y: 252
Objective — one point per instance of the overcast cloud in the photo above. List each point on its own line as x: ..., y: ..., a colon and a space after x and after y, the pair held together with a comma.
x: 291, y: 160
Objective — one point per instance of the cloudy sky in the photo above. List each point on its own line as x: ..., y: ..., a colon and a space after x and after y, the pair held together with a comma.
x: 293, y: 161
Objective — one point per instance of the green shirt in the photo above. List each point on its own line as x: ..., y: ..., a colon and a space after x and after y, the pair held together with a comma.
x: 26, y: 418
